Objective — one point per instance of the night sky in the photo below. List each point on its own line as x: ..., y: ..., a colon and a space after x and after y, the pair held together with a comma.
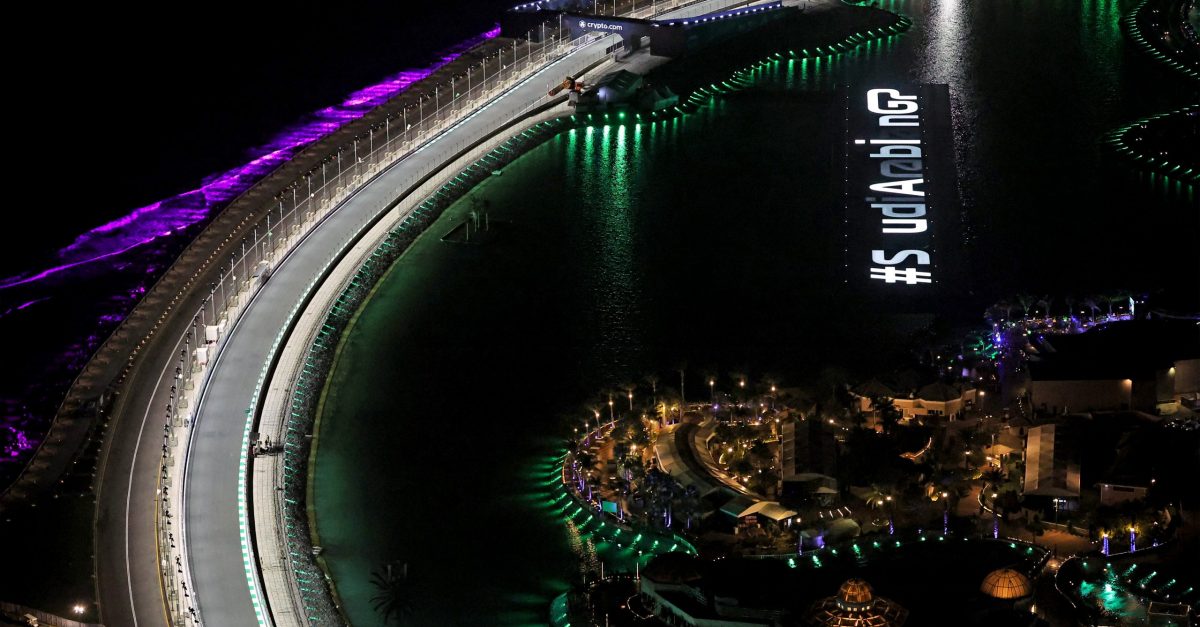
x: 158, y: 107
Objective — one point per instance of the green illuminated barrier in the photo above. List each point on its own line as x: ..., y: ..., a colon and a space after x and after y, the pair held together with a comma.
x: 1153, y: 44
x: 559, y: 612
x: 742, y: 79
x: 573, y: 508
x: 312, y: 376
x: 1121, y: 144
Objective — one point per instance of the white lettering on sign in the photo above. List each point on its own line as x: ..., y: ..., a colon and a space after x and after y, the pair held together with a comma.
x: 601, y: 26
x: 896, y: 186
x: 898, y: 111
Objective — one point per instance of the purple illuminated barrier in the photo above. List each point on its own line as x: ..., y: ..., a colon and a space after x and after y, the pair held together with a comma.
x: 128, y: 254
x: 161, y: 219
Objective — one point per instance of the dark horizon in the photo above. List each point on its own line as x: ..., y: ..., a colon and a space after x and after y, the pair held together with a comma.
x: 454, y: 312
x: 158, y: 110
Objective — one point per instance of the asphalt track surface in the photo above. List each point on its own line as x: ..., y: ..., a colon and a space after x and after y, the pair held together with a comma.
x: 212, y: 474
x: 130, y: 592
x: 130, y: 589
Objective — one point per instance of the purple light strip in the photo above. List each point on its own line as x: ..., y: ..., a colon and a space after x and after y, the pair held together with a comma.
x: 146, y: 224
x: 120, y: 246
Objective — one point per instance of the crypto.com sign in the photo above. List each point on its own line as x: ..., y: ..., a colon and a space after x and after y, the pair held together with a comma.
x: 604, y: 26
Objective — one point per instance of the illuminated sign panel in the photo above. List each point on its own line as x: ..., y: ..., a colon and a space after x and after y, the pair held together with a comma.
x: 888, y: 154
x: 604, y: 26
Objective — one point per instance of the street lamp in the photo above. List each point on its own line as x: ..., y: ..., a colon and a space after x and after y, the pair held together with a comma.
x: 945, y: 513
x: 631, y: 401
x: 712, y: 392
x: 610, y: 409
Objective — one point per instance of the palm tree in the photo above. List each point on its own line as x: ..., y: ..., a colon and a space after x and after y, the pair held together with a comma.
x: 1026, y: 302
x: 1109, y: 299
x: 652, y: 379
x: 878, y: 496
x: 883, y: 497
x: 1007, y: 305
x: 629, y: 388
x: 1124, y: 297
x: 1093, y: 305
x: 393, y: 597
x: 760, y: 454
x: 687, y: 504
x: 999, y: 311
x: 889, y: 416
x: 682, y: 390
x: 993, y: 477
x: 1045, y: 303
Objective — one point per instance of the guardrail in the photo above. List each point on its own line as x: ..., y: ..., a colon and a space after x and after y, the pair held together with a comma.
x: 285, y: 224
x: 293, y: 214
x: 282, y: 502
x: 19, y: 612
x: 290, y: 406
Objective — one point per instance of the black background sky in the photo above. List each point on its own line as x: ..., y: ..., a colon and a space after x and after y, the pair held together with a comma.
x: 120, y: 105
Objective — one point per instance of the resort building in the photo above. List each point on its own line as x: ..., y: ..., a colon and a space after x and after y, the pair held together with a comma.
x: 1146, y: 365
x: 1006, y: 584
x: 936, y: 400
x: 809, y: 453
x: 1006, y: 601
x: 855, y: 605
x: 1051, y: 463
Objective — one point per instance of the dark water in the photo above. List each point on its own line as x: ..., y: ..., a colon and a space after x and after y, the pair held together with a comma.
x: 712, y: 239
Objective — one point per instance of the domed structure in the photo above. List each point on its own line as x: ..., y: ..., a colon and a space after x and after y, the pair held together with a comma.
x: 854, y: 595
x: 1007, y: 584
x: 856, y: 605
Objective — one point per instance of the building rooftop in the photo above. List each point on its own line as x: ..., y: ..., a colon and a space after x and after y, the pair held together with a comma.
x: 1006, y: 583
x: 939, y: 391
x: 856, y: 605
x: 855, y: 594
x: 874, y: 388
x: 1051, y: 466
x: 1118, y: 350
